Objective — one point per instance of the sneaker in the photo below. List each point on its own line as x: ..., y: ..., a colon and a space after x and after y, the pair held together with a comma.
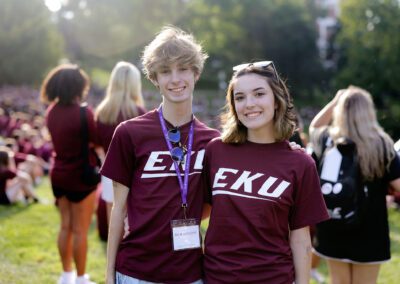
x: 67, y: 278
x: 85, y: 279
x: 318, y: 277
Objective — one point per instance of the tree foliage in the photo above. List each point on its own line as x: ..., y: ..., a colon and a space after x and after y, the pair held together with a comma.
x: 29, y: 42
x: 98, y: 33
x: 370, y: 54
x: 237, y: 31
x: 370, y: 41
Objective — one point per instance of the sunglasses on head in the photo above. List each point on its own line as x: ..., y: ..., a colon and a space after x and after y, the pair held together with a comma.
x: 178, y: 152
x: 259, y: 64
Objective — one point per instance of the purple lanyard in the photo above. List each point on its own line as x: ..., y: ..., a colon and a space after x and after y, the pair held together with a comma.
x: 183, y: 185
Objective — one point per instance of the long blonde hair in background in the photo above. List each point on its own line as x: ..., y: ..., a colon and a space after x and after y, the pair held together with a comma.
x: 123, y: 95
x: 354, y: 117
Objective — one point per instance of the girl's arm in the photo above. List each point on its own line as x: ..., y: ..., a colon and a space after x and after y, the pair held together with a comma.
x: 324, y: 117
x: 116, y: 228
x: 300, y: 243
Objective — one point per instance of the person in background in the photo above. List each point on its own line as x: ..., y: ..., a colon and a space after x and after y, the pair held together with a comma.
x: 64, y: 88
x: 15, y: 185
x: 264, y: 196
x: 355, y: 257
x: 123, y: 101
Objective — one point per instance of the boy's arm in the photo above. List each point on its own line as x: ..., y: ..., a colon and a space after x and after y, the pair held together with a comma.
x: 116, y: 228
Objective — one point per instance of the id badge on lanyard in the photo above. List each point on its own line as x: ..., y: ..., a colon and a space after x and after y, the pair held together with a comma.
x: 185, y: 232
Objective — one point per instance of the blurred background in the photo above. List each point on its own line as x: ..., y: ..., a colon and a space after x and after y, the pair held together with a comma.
x: 317, y: 45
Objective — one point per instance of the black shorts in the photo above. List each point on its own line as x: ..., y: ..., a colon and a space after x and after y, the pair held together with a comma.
x: 74, y: 196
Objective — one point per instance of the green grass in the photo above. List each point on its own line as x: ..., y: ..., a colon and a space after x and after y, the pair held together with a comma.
x: 28, y: 252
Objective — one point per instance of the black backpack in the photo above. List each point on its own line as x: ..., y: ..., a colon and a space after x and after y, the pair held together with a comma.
x: 342, y: 186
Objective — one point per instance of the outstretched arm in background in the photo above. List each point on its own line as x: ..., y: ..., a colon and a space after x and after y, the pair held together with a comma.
x: 324, y: 117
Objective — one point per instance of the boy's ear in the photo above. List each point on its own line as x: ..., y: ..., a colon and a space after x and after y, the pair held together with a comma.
x: 196, y: 77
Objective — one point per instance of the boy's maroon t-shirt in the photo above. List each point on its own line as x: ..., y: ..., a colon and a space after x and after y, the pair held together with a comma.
x: 138, y: 158
x: 260, y: 192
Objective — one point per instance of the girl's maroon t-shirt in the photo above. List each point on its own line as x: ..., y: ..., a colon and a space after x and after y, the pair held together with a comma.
x: 138, y: 158
x: 260, y: 192
x: 64, y: 124
x: 105, y: 131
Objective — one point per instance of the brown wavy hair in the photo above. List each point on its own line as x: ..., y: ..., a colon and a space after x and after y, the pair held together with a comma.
x: 233, y: 131
x: 64, y: 84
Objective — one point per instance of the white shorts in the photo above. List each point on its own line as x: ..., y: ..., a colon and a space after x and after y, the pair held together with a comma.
x: 124, y: 279
x: 107, y: 189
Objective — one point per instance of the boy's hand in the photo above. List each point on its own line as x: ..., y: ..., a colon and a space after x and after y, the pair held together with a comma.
x: 295, y: 146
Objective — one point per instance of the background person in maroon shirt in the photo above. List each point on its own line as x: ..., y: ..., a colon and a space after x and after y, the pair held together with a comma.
x: 123, y: 100
x: 264, y: 195
x: 145, y: 181
x: 64, y: 87
x: 15, y: 185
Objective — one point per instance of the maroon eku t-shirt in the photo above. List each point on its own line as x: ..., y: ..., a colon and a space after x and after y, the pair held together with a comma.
x: 138, y: 158
x: 259, y: 193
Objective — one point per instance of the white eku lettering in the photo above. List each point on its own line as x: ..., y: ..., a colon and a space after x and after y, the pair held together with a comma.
x: 246, y: 179
x: 158, y: 158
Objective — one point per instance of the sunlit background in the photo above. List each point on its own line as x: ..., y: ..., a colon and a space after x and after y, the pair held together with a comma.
x: 317, y: 45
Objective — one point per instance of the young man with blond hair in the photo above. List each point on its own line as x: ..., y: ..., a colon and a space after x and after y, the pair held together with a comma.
x: 155, y: 162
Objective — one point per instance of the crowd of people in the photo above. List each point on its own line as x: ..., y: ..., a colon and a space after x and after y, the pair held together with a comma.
x: 164, y: 170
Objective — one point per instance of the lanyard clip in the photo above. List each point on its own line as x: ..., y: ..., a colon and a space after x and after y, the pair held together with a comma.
x: 184, y: 206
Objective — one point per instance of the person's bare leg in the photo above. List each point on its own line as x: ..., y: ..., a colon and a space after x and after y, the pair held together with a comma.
x: 365, y: 273
x: 82, y: 213
x: 315, y: 260
x: 339, y: 272
x: 108, y: 208
x: 14, y: 190
x: 27, y: 185
x: 65, y: 234
x: 314, y: 274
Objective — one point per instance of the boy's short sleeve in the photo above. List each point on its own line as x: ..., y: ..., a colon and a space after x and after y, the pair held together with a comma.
x: 120, y: 158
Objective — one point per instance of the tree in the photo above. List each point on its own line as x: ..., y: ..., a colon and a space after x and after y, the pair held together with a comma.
x: 370, y: 41
x: 370, y: 54
x: 29, y: 43
x: 237, y: 31
x: 100, y: 32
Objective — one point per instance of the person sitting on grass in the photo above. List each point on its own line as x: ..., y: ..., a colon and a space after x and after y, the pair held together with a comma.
x: 15, y: 185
